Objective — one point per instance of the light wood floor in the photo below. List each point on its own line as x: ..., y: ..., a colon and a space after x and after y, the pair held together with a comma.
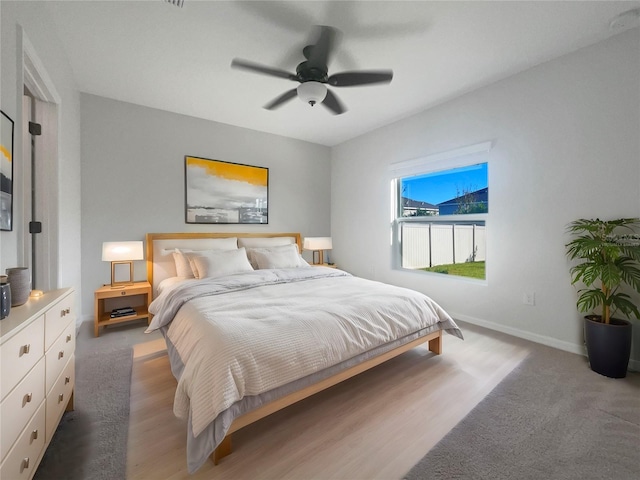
x: 374, y: 426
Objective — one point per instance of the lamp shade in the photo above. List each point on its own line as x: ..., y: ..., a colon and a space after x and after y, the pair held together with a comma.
x: 312, y: 92
x: 317, y: 243
x: 122, y: 251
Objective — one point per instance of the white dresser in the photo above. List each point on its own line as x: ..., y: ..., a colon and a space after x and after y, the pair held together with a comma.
x: 37, y: 378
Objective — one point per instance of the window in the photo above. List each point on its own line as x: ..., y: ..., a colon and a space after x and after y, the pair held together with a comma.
x: 440, y: 210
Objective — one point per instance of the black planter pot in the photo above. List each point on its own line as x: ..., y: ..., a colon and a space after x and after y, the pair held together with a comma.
x: 608, y: 346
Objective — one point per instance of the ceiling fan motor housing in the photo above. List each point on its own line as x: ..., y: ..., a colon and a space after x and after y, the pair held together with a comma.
x: 307, y: 73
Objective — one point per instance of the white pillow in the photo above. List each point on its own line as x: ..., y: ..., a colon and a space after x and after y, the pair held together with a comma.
x: 221, y: 262
x: 285, y: 256
x: 181, y: 255
x: 303, y: 262
x: 183, y: 268
x: 251, y: 252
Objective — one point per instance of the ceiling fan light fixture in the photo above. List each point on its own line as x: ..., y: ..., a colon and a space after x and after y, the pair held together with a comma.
x: 312, y: 92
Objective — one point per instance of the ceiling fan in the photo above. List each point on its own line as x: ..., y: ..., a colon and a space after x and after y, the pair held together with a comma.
x: 313, y: 76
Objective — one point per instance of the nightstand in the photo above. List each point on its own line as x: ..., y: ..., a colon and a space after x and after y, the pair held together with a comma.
x: 137, y: 296
x: 333, y: 265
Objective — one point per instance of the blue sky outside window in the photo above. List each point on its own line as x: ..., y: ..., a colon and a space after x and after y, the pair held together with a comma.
x: 447, y: 192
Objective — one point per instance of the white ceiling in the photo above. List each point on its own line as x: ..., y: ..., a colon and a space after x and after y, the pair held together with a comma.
x: 155, y: 54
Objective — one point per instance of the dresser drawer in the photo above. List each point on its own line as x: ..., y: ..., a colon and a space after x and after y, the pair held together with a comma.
x: 59, y: 397
x: 19, y: 406
x: 21, y: 460
x: 57, y: 318
x: 59, y: 354
x: 19, y: 354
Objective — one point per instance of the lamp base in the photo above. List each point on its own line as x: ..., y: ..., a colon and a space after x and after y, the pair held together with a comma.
x: 121, y: 283
x: 320, y: 257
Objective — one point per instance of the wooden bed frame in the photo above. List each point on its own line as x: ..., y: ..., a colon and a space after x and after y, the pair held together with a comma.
x: 434, y: 341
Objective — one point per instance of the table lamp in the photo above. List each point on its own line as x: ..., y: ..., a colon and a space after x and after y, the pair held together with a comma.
x: 318, y: 245
x: 122, y: 253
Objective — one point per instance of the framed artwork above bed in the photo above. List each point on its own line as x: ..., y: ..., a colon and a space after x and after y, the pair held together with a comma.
x: 225, y: 192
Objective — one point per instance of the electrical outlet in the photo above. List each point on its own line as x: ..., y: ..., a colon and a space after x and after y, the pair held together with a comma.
x: 529, y: 298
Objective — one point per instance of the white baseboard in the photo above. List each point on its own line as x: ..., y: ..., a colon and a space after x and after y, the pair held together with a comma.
x: 634, y: 365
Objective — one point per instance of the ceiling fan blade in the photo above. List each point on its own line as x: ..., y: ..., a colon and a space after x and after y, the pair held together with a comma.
x: 285, y: 97
x: 333, y: 104
x: 255, y: 67
x: 363, y: 77
x: 319, y: 56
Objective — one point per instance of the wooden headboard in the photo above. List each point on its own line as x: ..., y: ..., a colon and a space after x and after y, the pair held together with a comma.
x: 160, y: 264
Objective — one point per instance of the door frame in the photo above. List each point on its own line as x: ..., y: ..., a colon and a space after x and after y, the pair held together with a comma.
x: 33, y: 75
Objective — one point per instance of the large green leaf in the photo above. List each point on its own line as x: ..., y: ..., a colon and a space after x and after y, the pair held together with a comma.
x: 623, y: 303
x: 578, y: 272
x: 585, y: 247
x: 610, y: 275
x: 629, y: 272
x: 590, y: 300
x: 592, y: 273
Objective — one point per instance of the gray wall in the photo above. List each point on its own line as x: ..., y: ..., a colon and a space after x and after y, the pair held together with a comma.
x: 133, y: 178
x: 566, y: 146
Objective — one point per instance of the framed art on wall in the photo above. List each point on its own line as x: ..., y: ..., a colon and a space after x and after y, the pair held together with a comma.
x: 6, y: 172
x: 225, y: 192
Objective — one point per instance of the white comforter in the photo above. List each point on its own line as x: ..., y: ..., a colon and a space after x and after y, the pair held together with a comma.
x: 249, y: 333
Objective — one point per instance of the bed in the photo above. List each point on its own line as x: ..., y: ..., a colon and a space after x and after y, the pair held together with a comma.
x: 251, y: 328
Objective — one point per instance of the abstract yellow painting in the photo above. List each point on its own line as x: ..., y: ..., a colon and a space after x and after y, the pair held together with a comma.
x: 6, y: 172
x: 225, y: 192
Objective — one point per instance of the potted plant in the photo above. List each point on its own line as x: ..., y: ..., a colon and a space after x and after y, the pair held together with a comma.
x: 608, y: 252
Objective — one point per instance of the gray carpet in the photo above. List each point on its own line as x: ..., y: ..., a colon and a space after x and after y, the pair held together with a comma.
x: 551, y: 418
x: 91, y: 441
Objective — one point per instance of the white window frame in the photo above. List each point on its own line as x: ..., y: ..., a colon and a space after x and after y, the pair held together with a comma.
x: 461, y: 157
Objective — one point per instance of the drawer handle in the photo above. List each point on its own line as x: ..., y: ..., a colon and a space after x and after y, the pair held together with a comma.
x: 27, y: 399
x: 25, y: 463
x: 24, y: 349
x: 60, y: 354
x: 67, y: 380
x: 62, y: 313
x: 68, y: 338
x: 34, y: 435
x: 67, y: 311
x: 60, y: 397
